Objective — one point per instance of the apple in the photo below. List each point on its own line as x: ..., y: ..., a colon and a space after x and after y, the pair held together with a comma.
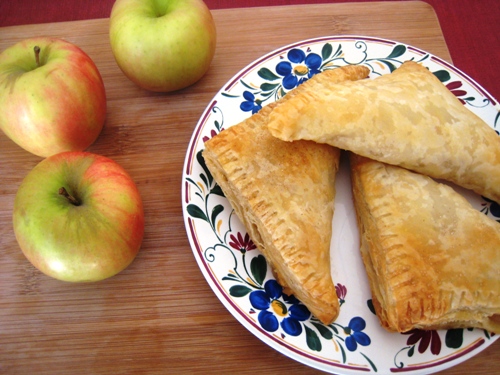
x: 162, y: 45
x: 78, y: 217
x: 52, y: 96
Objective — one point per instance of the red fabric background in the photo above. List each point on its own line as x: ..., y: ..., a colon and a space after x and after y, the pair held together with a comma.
x: 471, y: 27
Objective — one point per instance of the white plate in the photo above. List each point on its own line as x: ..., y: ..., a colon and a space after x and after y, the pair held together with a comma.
x: 217, y: 236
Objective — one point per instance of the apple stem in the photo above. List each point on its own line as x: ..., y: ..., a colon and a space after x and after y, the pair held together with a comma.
x: 37, y: 55
x: 69, y: 197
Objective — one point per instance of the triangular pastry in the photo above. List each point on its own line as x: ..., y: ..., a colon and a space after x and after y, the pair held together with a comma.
x: 284, y: 195
x: 406, y: 118
x: 432, y: 260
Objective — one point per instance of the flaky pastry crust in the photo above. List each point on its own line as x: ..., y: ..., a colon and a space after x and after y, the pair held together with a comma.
x: 284, y: 194
x: 433, y: 261
x: 406, y: 118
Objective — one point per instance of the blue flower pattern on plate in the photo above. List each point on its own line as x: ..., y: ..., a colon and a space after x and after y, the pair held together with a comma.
x: 251, y: 104
x: 271, y: 307
x: 356, y: 335
x: 299, y: 67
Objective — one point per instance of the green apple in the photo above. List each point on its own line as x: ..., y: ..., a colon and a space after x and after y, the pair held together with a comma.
x: 78, y: 217
x: 52, y: 96
x: 162, y: 45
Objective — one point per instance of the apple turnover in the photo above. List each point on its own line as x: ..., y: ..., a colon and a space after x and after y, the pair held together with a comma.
x: 284, y: 195
x: 406, y: 118
x: 432, y: 260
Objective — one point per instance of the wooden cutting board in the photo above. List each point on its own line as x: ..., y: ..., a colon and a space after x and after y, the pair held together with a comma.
x: 160, y: 315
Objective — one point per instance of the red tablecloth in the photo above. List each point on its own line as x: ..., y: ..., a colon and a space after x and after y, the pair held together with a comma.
x: 471, y: 27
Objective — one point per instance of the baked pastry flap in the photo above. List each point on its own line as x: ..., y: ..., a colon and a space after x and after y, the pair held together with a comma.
x: 432, y: 260
x: 406, y: 118
x: 283, y: 192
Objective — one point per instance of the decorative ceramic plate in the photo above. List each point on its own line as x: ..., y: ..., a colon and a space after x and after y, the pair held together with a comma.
x: 236, y: 271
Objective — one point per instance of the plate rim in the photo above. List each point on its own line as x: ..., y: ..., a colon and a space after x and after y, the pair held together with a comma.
x: 235, y: 310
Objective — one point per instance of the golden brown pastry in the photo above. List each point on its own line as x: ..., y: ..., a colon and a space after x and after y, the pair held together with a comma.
x: 407, y: 118
x: 433, y: 261
x: 284, y: 194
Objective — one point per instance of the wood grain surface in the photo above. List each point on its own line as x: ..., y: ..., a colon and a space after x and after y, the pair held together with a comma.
x: 160, y: 316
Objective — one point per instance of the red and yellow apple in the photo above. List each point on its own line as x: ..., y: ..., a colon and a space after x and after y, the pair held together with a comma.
x: 79, y: 217
x: 52, y: 96
x: 162, y: 45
